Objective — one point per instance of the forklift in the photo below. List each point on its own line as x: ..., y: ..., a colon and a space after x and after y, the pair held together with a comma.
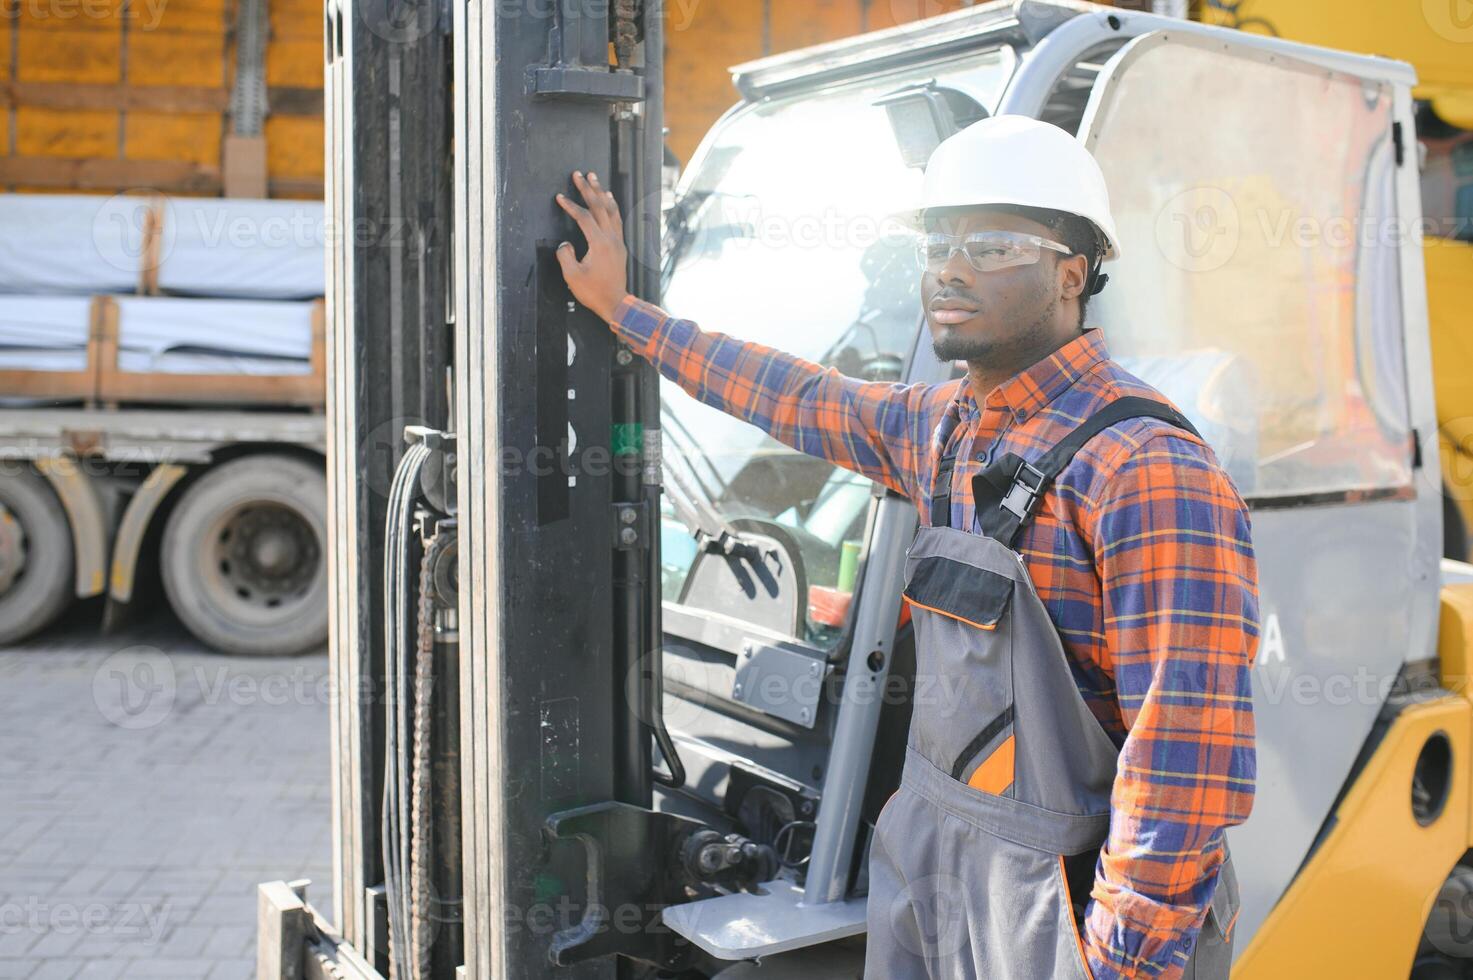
x: 621, y: 683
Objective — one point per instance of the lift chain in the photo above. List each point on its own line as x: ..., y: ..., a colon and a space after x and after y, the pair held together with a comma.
x: 422, y: 912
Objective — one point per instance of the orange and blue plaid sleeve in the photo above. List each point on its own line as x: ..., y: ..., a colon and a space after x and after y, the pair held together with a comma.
x: 877, y: 429
x: 1172, y: 546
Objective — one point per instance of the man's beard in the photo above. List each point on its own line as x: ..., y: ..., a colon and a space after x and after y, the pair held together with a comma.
x: 956, y: 346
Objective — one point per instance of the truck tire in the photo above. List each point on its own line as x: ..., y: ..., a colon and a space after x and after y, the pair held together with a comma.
x: 35, y: 554
x: 243, y: 560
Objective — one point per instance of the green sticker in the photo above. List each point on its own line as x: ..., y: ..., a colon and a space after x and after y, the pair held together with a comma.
x: 546, y: 887
x: 627, y: 438
x: 848, y: 566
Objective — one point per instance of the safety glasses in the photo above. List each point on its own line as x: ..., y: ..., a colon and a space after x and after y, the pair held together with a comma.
x: 987, y: 251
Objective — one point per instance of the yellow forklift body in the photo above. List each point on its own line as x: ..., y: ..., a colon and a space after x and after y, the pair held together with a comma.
x: 1358, y: 907
x: 1360, y: 904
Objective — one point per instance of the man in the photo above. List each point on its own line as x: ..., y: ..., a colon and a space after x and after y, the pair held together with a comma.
x: 1067, y: 820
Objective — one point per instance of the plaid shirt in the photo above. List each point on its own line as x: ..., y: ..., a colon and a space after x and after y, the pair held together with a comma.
x: 1140, y: 551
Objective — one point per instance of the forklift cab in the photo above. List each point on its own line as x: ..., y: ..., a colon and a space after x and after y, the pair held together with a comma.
x: 622, y: 683
x: 1267, y: 286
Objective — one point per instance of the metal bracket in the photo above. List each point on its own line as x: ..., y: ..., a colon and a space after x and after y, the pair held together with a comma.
x: 748, y: 926
x: 283, y: 925
x: 1021, y: 496
x: 777, y: 681
x: 585, y: 84
x: 578, y: 39
x: 633, y: 858
x: 631, y: 525
x: 437, y: 480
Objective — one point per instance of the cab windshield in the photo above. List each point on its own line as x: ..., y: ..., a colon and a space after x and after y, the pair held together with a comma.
x: 777, y: 236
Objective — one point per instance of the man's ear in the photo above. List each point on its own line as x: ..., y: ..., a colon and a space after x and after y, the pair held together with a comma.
x: 1073, y: 273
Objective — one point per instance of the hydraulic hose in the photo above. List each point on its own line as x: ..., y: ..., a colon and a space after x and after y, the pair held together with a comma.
x: 396, y: 844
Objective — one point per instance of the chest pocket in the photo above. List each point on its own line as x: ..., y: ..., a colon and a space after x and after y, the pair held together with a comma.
x: 963, y: 656
x: 974, y: 596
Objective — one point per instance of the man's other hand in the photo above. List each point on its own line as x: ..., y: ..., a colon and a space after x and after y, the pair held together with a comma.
x: 598, y: 279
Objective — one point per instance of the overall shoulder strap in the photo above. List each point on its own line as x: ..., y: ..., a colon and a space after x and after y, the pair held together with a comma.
x: 941, y: 491
x: 1008, y: 491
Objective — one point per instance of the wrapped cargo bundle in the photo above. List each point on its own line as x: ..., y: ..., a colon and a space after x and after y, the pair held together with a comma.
x: 240, y: 280
x: 160, y: 334
x: 228, y: 248
x: 71, y: 243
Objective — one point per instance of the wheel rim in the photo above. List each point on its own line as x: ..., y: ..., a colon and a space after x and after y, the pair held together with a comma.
x: 12, y: 550
x: 263, y: 560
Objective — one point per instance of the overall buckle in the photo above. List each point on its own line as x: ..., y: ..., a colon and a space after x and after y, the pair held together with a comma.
x: 1021, y: 496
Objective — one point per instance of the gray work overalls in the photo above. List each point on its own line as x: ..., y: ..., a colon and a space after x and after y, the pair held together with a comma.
x: 982, y: 862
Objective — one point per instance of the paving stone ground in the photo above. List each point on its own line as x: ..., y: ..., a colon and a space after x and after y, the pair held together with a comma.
x: 146, y: 787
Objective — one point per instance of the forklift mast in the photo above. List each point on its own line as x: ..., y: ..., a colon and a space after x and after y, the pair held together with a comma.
x: 494, y: 472
x: 559, y: 429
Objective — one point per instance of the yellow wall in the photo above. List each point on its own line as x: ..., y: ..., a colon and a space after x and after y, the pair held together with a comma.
x: 114, y: 95
x: 703, y: 40
x: 73, y: 132
x: 1434, y: 35
x: 77, y: 51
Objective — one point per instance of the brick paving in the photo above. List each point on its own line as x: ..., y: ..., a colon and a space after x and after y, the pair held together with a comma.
x: 146, y: 787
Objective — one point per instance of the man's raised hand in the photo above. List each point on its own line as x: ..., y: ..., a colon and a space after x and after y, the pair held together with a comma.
x: 598, y: 280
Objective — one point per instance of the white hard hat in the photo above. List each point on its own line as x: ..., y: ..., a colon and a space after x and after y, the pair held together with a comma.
x: 1019, y: 161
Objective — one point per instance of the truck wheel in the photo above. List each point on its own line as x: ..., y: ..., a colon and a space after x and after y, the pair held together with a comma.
x: 35, y: 554
x: 243, y: 556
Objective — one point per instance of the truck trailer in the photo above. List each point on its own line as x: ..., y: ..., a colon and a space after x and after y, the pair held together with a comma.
x: 162, y: 363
